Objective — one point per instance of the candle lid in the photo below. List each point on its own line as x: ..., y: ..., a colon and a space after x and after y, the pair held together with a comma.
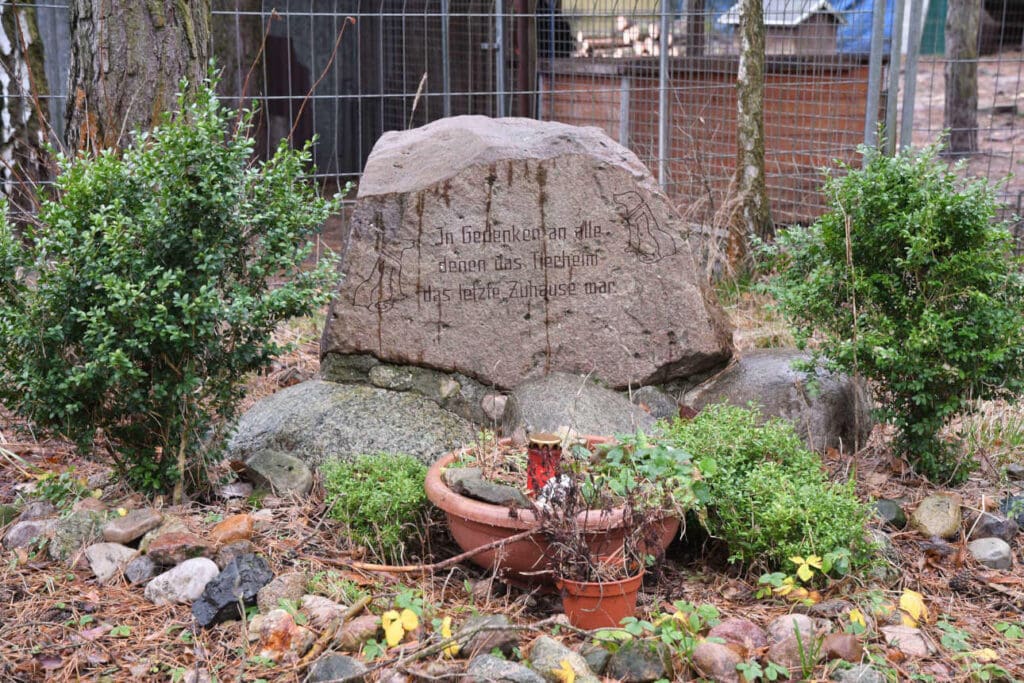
x: 544, y: 439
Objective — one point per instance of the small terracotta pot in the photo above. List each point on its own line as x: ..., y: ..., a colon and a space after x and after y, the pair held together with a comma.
x: 474, y: 523
x: 599, y: 605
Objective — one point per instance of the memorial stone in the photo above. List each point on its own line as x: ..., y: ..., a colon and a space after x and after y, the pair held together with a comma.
x: 506, y: 249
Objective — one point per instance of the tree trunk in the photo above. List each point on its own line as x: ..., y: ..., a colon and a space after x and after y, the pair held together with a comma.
x: 127, y: 59
x: 750, y: 211
x: 961, y: 114
x: 24, y: 105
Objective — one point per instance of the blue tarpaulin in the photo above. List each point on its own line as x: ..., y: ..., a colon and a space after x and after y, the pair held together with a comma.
x: 854, y: 33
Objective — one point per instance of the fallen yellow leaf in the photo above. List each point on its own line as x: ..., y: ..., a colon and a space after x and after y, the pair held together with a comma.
x: 446, y: 632
x: 409, y: 620
x: 986, y: 654
x: 565, y: 673
x: 914, y: 609
x: 857, y: 617
x: 393, y: 633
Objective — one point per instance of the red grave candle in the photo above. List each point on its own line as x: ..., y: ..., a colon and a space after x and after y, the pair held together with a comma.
x: 543, y: 456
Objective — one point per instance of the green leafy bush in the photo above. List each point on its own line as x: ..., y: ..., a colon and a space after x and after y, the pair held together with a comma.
x: 909, y: 281
x: 770, y: 498
x: 152, y: 282
x: 379, y: 498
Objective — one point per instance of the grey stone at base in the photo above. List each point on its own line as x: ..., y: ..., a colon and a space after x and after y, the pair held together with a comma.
x: 838, y: 415
x: 560, y: 401
x: 317, y: 419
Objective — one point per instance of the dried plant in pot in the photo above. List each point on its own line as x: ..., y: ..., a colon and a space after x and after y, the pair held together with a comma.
x: 638, y: 477
x: 526, y: 559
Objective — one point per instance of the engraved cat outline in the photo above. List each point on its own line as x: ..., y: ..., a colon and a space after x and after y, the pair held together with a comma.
x: 382, y: 288
x: 648, y: 240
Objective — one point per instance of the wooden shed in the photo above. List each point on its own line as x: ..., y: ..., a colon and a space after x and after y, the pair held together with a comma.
x: 794, y: 27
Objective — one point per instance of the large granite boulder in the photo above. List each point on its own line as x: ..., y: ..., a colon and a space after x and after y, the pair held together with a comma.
x: 836, y: 413
x: 559, y: 402
x: 505, y: 249
x: 316, y: 420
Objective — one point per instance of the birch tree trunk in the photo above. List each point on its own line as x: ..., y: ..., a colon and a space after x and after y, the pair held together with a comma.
x: 751, y: 214
x: 23, y: 105
x: 961, y: 113
x: 127, y: 58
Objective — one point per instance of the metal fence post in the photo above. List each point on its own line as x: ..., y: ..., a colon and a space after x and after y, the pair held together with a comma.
x: 910, y: 75
x: 499, y: 55
x: 895, y: 55
x: 663, y: 127
x: 446, y: 85
x: 874, y: 73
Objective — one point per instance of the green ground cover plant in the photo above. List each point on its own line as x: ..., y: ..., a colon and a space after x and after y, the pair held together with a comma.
x: 380, y: 498
x: 150, y: 286
x: 770, y: 499
x: 909, y: 280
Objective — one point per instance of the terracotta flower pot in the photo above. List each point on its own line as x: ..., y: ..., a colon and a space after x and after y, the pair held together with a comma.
x: 599, y: 605
x: 474, y: 523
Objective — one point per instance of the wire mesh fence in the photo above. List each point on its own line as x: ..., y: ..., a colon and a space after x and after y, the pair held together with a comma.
x: 659, y: 77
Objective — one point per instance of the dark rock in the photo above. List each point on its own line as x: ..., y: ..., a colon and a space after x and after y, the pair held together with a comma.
x: 891, y: 513
x: 490, y: 669
x: 560, y: 401
x: 638, y: 662
x: 140, y: 570
x: 336, y: 668
x: 1015, y: 470
x: 838, y: 415
x: 499, y: 635
x: 989, y: 525
x: 656, y: 402
x: 596, y: 657
x: 315, y: 420
x: 240, y: 581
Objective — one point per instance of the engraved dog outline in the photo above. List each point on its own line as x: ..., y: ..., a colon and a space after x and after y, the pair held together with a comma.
x: 382, y: 288
x: 648, y: 240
